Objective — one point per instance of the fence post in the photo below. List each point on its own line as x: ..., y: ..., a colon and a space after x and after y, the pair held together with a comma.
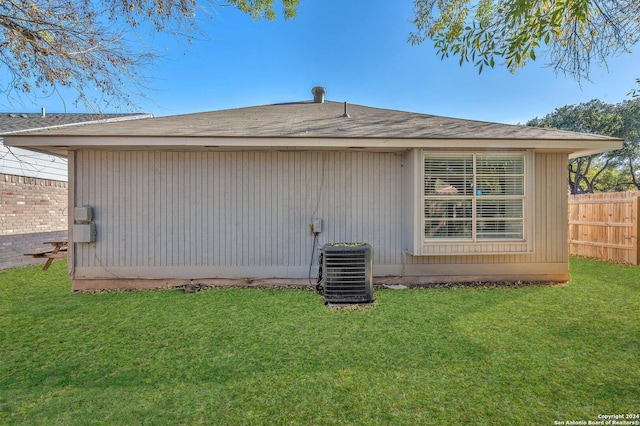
x: 635, y: 217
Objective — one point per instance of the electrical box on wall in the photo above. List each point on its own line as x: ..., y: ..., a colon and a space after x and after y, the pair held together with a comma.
x: 316, y: 226
x: 84, y: 233
x: 83, y: 214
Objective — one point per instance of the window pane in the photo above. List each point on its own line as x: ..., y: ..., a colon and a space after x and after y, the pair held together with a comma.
x: 452, y: 209
x: 447, y: 229
x: 499, y: 208
x: 500, y: 229
x: 448, y: 175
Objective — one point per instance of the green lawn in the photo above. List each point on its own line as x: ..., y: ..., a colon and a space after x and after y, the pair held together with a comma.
x: 254, y: 356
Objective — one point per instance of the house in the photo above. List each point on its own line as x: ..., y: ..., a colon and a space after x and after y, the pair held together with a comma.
x: 33, y: 187
x: 229, y: 196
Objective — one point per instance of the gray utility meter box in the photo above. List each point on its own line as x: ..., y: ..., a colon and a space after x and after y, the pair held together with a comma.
x: 83, y: 214
x: 84, y: 233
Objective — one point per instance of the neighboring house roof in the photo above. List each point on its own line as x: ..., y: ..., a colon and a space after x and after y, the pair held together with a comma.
x: 16, y: 122
x: 16, y: 161
x: 310, y: 125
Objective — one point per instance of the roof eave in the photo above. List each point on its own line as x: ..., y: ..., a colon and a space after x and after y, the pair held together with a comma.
x: 57, y: 144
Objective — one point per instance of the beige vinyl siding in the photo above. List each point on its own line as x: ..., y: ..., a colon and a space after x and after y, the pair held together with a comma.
x: 168, y: 214
x: 203, y: 212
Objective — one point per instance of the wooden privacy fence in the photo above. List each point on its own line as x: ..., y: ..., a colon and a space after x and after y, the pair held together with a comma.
x: 605, y: 226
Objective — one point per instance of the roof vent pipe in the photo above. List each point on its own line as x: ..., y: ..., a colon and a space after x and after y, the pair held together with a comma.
x: 318, y: 94
x: 43, y: 112
x: 346, y: 114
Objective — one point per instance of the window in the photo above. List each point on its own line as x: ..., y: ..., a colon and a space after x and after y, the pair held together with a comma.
x: 474, y: 197
x: 468, y: 203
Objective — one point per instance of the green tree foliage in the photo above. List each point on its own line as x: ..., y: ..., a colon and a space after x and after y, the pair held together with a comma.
x: 572, y: 33
x: 86, y: 45
x: 612, y: 171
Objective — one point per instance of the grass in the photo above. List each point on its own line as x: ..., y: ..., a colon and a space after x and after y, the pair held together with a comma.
x: 256, y: 356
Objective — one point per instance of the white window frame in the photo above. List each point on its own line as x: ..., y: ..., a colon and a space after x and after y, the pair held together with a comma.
x: 419, y: 245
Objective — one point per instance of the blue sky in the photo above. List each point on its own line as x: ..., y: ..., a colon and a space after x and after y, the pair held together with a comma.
x: 357, y: 50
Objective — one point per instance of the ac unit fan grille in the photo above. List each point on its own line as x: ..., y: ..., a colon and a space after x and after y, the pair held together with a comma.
x: 347, y: 274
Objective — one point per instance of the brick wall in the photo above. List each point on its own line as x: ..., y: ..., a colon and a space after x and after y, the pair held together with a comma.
x: 32, y: 211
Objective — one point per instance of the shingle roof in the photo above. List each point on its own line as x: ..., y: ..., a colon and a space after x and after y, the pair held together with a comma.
x: 310, y: 120
x: 16, y: 122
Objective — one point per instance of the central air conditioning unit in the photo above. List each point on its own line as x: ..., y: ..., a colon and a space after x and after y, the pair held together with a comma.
x: 347, y: 273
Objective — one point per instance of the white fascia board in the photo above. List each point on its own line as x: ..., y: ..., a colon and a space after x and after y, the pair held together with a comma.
x: 56, y: 143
